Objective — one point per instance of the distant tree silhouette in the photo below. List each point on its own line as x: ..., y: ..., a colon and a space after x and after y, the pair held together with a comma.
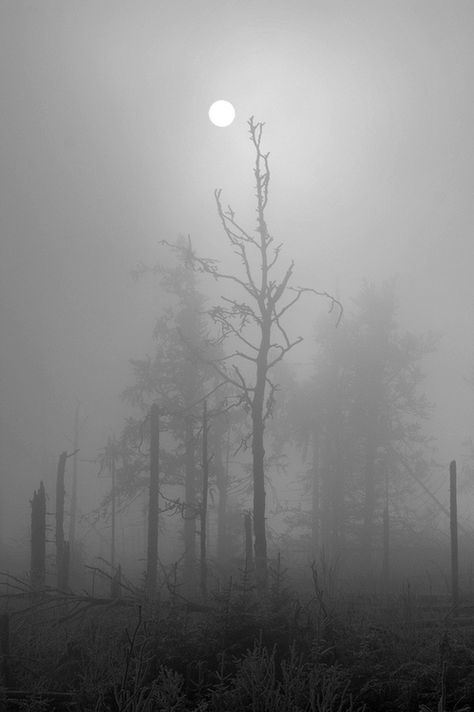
x: 389, y: 406
x: 363, y: 413
x: 178, y: 381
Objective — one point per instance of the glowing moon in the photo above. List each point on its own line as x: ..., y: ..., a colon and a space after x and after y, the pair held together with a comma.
x: 221, y: 113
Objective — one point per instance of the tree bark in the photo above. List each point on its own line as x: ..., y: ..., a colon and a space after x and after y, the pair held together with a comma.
x: 113, y: 514
x: 328, y: 495
x: 5, y: 650
x: 61, y: 565
x: 116, y: 583
x: 248, y: 542
x: 152, y: 547
x: 205, y: 488
x: 190, y: 508
x: 386, y: 549
x: 369, y: 504
x: 222, y: 480
x: 260, y: 539
x: 38, y: 538
x: 454, y: 535
x: 73, y: 512
x: 315, y: 503
x: 258, y: 468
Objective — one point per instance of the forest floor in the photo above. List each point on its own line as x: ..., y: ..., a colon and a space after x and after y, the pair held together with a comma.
x: 275, y: 653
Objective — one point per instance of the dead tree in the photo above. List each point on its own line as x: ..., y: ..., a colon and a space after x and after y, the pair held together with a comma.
x: 62, y: 546
x: 61, y: 549
x: 5, y: 650
x: 113, y: 513
x: 454, y: 535
x: 190, y: 502
x: 205, y: 490
x: 221, y: 467
x: 38, y: 538
x: 248, y: 541
x: 110, y: 457
x: 116, y: 583
x: 152, y: 548
x: 386, y: 549
x: 73, y: 507
x: 256, y: 324
x: 315, y: 500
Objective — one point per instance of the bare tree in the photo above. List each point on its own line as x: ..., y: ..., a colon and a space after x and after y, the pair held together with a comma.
x: 73, y: 506
x: 256, y: 324
x: 62, y: 546
x: 38, y: 538
x: 205, y: 492
x: 152, y: 549
x: 60, y: 541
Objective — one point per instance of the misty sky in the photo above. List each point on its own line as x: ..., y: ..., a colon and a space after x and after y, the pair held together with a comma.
x: 106, y: 148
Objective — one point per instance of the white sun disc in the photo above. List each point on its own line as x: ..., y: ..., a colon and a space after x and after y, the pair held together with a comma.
x: 222, y: 113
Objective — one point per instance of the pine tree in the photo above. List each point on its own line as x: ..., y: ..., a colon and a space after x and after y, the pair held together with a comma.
x: 361, y: 419
x: 177, y: 378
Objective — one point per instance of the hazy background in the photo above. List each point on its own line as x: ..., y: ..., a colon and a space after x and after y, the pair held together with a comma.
x: 106, y: 148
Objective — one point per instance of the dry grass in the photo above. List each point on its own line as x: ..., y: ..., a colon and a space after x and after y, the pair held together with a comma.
x: 279, y: 654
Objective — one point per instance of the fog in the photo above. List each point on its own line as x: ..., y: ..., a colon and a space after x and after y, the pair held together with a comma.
x: 107, y: 149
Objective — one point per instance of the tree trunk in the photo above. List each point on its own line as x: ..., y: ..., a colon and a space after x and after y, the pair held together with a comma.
x: 258, y: 453
x: 248, y: 542
x: 454, y: 534
x: 222, y: 481
x: 5, y: 681
x: 113, y: 514
x: 190, y: 508
x: 66, y: 565
x: 315, y: 504
x: 152, y: 545
x: 116, y: 583
x: 333, y: 501
x: 61, y: 552
x: 386, y: 550
x: 338, y: 494
x: 205, y: 488
x: 369, y: 505
x: 326, y: 474
x: 38, y: 538
x: 73, y: 508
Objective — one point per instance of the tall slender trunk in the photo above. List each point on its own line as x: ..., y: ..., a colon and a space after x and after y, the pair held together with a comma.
x: 61, y: 549
x: 38, y: 538
x: 222, y: 479
x: 453, y: 518
x: 333, y: 501
x: 326, y: 475
x: 258, y: 403
x: 386, y: 549
x: 73, y: 507
x: 152, y: 548
x: 338, y: 503
x: 190, y: 508
x: 248, y: 542
x: 116, y: 583
x: 369, y: 504
x: 113, y: 496
x: 205, y: 488
x: 258, y: 454
x: 315, y: 504
x: 5, y: 675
